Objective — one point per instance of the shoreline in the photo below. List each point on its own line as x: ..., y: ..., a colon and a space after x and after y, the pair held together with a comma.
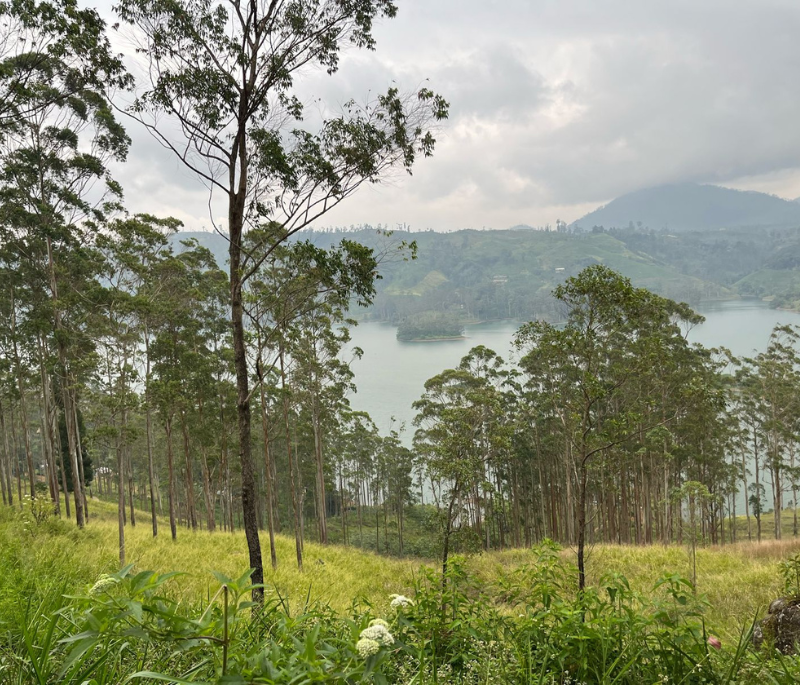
x: 442, y: 339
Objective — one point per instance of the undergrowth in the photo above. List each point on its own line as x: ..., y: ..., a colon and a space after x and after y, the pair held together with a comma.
x: 523, y: 622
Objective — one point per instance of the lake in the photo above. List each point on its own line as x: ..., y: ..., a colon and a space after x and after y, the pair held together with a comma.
x: 391, y: 374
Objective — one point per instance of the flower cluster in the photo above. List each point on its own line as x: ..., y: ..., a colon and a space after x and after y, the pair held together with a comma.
x: 400, y: 602
x: 104, y: 582
x: 375, y: 636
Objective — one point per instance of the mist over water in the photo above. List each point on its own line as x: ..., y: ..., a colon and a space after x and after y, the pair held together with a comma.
x: 391, y: 374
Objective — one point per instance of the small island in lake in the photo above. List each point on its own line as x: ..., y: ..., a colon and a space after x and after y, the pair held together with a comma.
x: 430, y: 326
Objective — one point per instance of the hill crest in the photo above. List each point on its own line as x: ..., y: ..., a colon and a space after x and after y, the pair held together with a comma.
x: 693, y: 207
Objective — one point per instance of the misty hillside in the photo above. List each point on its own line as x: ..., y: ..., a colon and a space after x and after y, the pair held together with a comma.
x: 510, y: 274
x: 693, y: 207
x: 498, y: 274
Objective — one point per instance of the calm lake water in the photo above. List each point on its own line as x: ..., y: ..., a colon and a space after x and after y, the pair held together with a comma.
x: 391, y: 374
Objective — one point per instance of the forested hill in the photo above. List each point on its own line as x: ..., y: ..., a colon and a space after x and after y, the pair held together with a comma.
x: 693, y: 207
x: 492, y: 274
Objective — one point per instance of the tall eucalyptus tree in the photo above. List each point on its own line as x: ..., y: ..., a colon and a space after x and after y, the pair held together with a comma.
x: 224, y: 72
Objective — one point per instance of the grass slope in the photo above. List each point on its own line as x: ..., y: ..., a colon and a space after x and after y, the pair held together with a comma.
x: 738, y: 580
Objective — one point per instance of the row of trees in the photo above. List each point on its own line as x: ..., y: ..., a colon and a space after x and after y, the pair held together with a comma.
x: 155, y: 396
x: 104, y: 317
x: 610, y: 427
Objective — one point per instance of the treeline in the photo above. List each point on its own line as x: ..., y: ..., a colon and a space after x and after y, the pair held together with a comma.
x: 510, y: 274
x: 126, y: 362
x: 612, y: 428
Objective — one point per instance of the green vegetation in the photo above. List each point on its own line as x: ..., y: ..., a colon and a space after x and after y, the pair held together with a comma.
x: 489, y: 275
x: 214, y: 404
x: 511, y: 616
x: 430, y: 326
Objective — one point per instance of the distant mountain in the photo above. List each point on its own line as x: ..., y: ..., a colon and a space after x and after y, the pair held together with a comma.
x: 694, y: 207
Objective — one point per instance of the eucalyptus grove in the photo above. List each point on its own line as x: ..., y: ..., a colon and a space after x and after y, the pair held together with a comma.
x: 225, y: 73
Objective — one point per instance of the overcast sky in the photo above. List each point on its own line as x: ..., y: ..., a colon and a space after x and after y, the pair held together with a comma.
x: 557, y: 106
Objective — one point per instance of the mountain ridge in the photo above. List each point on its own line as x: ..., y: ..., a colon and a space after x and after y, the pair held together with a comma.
x: 684, y: 207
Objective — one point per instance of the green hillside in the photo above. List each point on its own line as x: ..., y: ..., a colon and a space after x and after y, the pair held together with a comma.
x: 510, y: 274
x: 737, y: 579
x: 484, y: 275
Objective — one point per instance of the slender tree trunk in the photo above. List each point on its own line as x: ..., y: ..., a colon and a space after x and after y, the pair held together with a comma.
x: 321, y: 510
x: 447, y: 533
x: 148, y: 416
x: 292, y: 485
x: 794, y: 493
x: 129, y: 465
x: 15, y: 447
x: 79, y: 452
x: 582, y: 524
x: 733, y: 501
x: 23, y: 410
x: 237, y: 199
x: 48, y: 436
x: 59, y: 449
x: 777, y: 497
x: 211, y: 521
x: 342, y: 508
x: 191, y: 514
x: 268, y: 477
x: 121, y: 494
x: 758, y: 494
x: 47, y: 444
x: 69, y: 410
x: 746, y: 496
x: 173, y: 527
x: 5, y: 464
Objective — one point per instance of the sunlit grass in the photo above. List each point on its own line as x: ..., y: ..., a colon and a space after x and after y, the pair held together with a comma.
x: 332, y: 574
x: 738, y: 580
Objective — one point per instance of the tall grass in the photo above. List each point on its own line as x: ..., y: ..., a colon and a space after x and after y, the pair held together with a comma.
x: 512, y: 616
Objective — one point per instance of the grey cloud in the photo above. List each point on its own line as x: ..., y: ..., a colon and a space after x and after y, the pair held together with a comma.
x: 557, y: 105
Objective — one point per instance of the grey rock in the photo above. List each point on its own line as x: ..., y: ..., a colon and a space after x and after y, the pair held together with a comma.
x: 780, y: 629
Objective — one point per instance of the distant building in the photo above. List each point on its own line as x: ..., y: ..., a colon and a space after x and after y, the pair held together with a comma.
x: 559, y: 269
x: 500, y: 280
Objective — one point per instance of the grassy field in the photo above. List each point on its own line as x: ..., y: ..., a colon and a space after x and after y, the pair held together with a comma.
x: 737, y: 580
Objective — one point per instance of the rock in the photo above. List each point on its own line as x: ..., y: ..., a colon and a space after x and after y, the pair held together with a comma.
x: 781, y: 628
x: 778, y: 605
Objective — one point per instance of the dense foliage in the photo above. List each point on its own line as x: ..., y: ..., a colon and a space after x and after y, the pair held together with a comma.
x: 134, y: 369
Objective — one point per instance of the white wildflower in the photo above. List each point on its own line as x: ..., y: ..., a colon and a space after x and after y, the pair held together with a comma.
x: 366, y: 647
x: 400, y: 601
x: 379, y: 622
x: 378, y: 633
x: 104, y: 582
